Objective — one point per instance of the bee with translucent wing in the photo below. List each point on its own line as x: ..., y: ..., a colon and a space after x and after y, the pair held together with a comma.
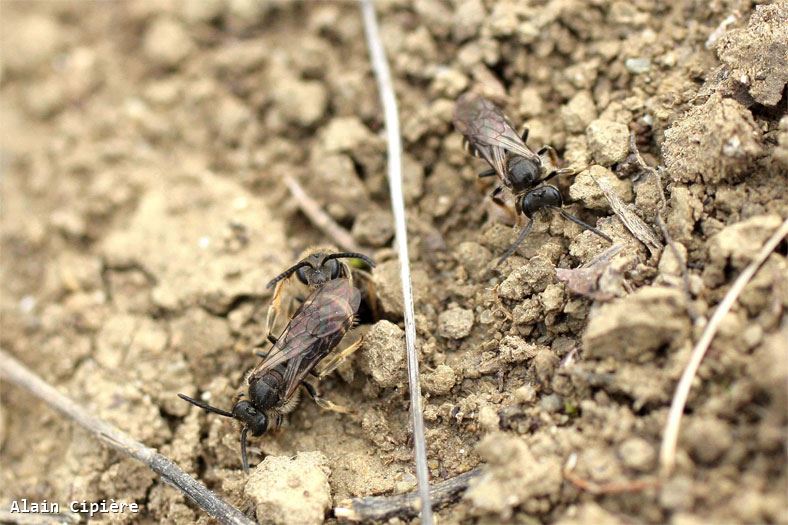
x: 488, y: 134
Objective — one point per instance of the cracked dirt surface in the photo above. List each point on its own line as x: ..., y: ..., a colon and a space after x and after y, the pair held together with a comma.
x: 143, y: 152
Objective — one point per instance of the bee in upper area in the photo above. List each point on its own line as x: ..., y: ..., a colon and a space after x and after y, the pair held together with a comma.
x: 316, y: 328
x: 489, y: 134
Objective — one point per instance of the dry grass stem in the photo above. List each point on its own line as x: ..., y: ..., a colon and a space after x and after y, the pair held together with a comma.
x: 339, y: 235
x: 670, y: 437
x: 405, y: 506
x: 15, y: 372
x: 393, y: 138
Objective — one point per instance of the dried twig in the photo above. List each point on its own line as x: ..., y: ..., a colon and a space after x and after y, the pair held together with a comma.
x: 389, y: 101
x: 382, y: 508
x: 633, y: 223
x: 319, y: 218
x: 15, y: 372
x: 609, y: 488
x: 667, y: 454
x: 691, y: 310
x: 585, y: 280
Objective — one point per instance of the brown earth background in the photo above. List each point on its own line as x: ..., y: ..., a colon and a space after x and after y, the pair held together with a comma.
x: 144, y: 146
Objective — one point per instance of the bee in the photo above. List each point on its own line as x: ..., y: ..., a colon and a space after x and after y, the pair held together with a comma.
x: 488, y: 134
x: 273, y: 386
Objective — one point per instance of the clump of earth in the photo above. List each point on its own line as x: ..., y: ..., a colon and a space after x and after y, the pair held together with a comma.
x: 144, y: 151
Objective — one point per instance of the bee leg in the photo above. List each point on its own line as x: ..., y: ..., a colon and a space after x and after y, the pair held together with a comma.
x: 487, y: 173
x: 551, y: 154
x: 271, y: 339
x: 583, y: 224
x: 555, y: 173
x: 524, y: 134
x: 513, y: 248
x: 494, y: 195
x: 323, y: 403
x: 334, y: 361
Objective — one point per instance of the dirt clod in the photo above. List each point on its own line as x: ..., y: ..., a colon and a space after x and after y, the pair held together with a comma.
x: 637, y: 325
x: 291, y: 490
x: 514, y: 476
x: 585, y: 189
x: 374, y: 228
x: 608, y: 141
x: 529, y: 278
x: 707, y: 439
x: 756, y: 55
x: 440, y: 381
x: 167, y: 43
x: 383, y: 354
x: 715, y: 142
x: 455, y: 323
x: 638, y: 454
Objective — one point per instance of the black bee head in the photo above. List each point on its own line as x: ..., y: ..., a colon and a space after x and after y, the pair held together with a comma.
x: 542, y: 197
x: 255, y: 420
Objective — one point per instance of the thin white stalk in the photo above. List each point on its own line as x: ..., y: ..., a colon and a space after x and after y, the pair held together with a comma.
x: 670, y: 437
x: 389, y: 101
x: 15, y: 372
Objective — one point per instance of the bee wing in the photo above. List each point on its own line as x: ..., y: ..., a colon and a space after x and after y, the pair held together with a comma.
x: 337, y: 312
x: 488, y: 130
x: 315, y: 329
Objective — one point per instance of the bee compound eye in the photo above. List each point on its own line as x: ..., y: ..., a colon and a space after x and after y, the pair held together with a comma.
x: 332, y: 265
x: 302, y: 275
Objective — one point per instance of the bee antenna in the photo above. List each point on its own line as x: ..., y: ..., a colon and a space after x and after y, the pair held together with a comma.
x: 513, y: 248
x: 351, y: 255
x: 244, y: 458
x: 583, y: 224
x: 287, y: 273
x: 206, y: 406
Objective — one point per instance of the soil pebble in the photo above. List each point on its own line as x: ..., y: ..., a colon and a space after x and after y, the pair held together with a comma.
x: 301, y: 102
x: 589, y: 513
x: 31, y: 43
x: 527, y: 279
x: 473, y: 256
x: 638, y: 454
x: 780, y: 153
x: 707, y: 438
x: 383, y: 354
x: 608, y: 141
x: 513, y: 476
x: 336, y: 184
x: 167, y: 43
x: 736, y: 244
x: 374, y: 228
x: 756, y: 55
x: 635, y: 326
x: 720, y: 125
x: 291, y: 490
x: 440, y: 381
x: 579, y: 112
x: 585, y: 189
x: 455, y: 323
